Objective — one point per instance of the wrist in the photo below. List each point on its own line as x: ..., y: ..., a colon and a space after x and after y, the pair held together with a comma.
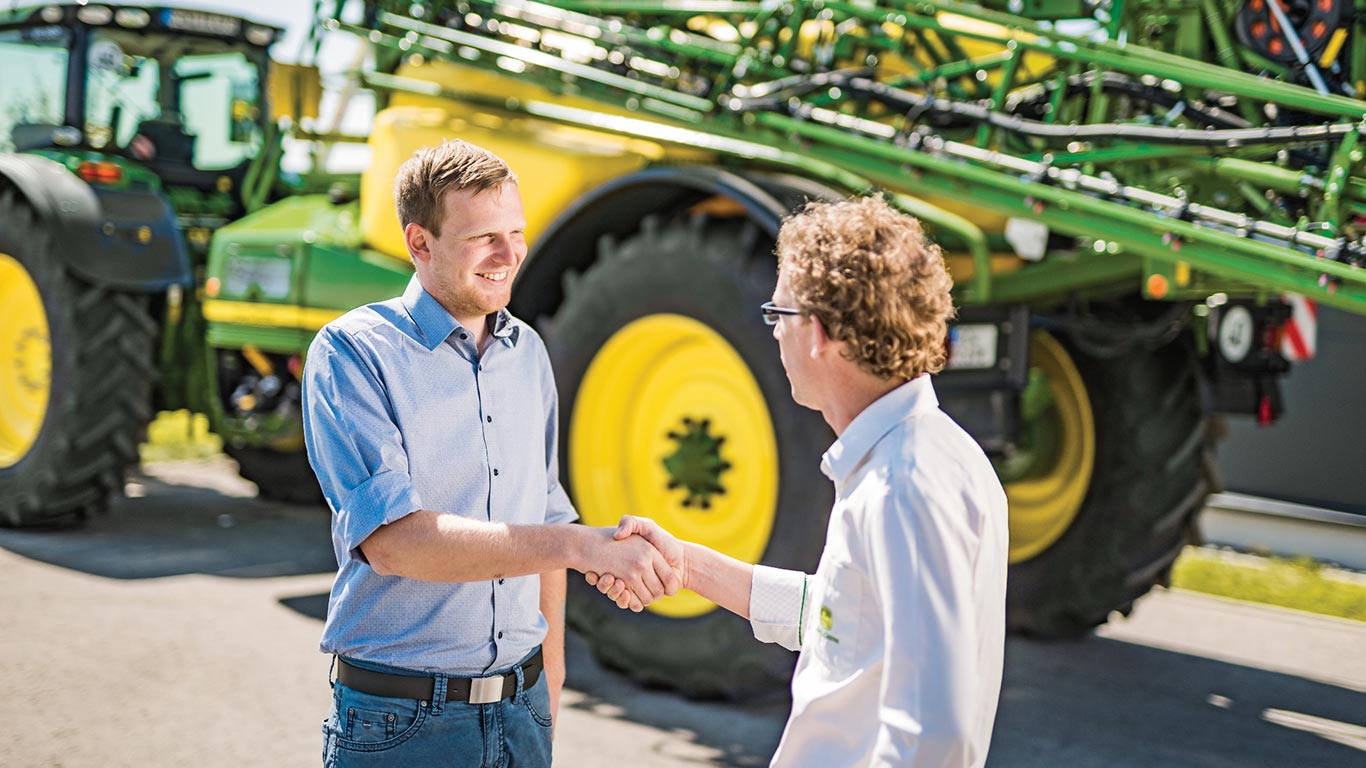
x: 690, y: 551
x: 580, y: 548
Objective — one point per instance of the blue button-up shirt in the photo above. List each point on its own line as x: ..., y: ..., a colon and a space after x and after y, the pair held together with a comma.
x: 401, y: 413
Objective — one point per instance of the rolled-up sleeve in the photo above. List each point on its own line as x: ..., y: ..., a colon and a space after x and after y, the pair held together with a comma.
x: 777, y: 606
x: 558, y: 507
x: 354, y: 446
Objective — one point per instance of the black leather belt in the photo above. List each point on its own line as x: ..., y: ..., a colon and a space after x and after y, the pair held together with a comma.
x: 477, y: 690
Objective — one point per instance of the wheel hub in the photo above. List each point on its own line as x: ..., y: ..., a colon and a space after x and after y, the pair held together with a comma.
x: 25, y: 362
x: 642, y: 442
x: 696, y: 465
x: 1047, y: 483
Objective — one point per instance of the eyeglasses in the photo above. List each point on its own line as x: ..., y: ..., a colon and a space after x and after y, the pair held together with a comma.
x: 773, y: 313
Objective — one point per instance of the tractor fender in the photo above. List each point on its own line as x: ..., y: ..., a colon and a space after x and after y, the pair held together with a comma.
x: 617, y: 208
x: 125, y: 239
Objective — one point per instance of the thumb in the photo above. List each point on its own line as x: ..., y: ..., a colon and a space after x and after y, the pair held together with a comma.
x: 626, y: 528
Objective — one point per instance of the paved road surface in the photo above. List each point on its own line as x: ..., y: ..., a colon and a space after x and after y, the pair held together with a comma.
x: 180, y: 630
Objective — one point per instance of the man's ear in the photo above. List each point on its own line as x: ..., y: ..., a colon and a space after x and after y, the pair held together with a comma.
x: 416, y: 238
x: 820, y: 342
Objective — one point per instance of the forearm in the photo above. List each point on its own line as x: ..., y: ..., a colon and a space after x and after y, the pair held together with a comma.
x: 719, y: 578
x: 553, y: 587
x: 429, y: 546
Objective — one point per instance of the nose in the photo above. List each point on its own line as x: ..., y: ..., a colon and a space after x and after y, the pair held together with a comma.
x: 510, y: 250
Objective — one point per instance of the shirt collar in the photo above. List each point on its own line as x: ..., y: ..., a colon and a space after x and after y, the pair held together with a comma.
x: 504, y: 329
x: 435, y: 324
x: 874, y: 422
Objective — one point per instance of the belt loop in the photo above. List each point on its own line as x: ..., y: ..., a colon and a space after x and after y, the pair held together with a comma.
x: 331, y: 668
x: 438, y: 694
x: 517, y: 697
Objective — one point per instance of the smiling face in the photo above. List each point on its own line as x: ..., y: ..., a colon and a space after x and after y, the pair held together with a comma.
x: 470, y: 266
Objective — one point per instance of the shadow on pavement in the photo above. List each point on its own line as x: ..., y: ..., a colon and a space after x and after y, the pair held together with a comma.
x: 312, y: 606
x: 1103, y: 702
x: 744, y: 735
x: 176, y: 527
x: 1093, y: 702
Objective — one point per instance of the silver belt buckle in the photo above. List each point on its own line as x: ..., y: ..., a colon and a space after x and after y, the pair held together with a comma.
x: 486, y: 690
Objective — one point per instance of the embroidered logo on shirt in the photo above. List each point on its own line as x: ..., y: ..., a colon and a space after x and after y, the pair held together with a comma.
x: 827, y: 621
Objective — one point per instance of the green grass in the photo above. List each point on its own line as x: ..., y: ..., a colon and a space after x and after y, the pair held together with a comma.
x: 1300, y: 583
x: 179, y: 435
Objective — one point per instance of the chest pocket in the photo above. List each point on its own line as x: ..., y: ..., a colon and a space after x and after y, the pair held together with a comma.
x: 835, y: 617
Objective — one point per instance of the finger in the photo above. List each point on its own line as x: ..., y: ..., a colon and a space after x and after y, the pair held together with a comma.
x: 605, y: 582
x: 651, y: 580
x: 672, y: 581
x: 624, y: 600
x: 626, y: 527
x: 636, y: 606
x: 642, y: 592
x: 617, y: 590
x: 590, y: 577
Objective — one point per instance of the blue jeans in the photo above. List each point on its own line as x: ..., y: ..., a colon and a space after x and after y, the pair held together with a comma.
x: 366, y: 730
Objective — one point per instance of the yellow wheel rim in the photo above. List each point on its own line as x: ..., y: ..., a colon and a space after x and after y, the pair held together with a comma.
x: 25, y: 362
x: 655, y: 402
x: 1043, y: 506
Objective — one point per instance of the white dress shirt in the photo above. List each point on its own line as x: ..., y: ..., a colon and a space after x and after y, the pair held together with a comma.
x: 902, y: 628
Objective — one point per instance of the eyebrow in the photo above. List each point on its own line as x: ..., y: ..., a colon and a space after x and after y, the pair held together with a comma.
x: 486, y: 233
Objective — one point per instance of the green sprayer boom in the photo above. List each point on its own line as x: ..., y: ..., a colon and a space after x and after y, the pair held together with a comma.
x: 1159, y: 163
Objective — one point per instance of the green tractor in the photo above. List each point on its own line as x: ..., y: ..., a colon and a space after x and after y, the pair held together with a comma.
x: 128, y: 136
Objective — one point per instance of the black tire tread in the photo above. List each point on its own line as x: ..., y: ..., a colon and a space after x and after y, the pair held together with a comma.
x: 1153, y: 442
x: 103, y: 343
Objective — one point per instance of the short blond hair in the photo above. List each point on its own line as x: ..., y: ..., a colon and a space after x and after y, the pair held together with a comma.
x: 424, y: 179
x: 874, y: 280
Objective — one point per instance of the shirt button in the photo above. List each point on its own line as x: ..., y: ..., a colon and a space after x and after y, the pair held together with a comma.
x: 464, y: 336
x: 500, y: 635
x: 495, y: 473
x: 490, y: 418
x: 500, y: 581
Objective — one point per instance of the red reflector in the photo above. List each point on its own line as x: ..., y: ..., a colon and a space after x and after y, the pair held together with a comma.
x: 99, y: 172
x: 1264, y: 416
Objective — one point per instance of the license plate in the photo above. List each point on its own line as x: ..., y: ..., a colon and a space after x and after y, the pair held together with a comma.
x: 256, y: 278
x: 972, y: 347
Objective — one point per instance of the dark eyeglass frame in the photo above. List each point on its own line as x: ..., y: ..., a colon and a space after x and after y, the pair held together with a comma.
x: 773, y: 313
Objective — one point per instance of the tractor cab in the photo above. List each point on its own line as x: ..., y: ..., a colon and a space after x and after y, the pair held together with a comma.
x: 181, y: 92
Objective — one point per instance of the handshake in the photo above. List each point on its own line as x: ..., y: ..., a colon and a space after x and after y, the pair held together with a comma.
x: 638, y: 563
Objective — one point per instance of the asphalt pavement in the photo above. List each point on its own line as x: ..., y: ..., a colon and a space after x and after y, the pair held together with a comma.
x: 181, y: 629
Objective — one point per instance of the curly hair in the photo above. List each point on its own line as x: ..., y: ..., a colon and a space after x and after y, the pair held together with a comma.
x: 424, y: 179
x: 874, y: 280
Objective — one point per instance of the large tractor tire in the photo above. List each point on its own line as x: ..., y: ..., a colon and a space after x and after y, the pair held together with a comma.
x: 1101, y: 521
x: 279, y: 475
x: 76, y: 370
x: 674, y: 405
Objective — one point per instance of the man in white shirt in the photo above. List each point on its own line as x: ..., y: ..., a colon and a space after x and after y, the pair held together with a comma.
x: 902, y: 627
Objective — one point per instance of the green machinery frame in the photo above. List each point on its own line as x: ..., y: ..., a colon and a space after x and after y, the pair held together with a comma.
x: 1156, y: 163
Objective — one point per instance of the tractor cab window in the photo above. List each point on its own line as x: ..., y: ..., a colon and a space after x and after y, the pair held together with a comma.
x: 172, y: 103
x: 121, y: 93
x: 33, y: 99
x: 220, y: 99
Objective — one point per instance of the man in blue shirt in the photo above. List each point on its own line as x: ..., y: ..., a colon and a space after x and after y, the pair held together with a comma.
x: 431, y: 424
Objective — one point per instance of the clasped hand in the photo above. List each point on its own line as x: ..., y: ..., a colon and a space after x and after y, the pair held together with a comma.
x: 653, y: 565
